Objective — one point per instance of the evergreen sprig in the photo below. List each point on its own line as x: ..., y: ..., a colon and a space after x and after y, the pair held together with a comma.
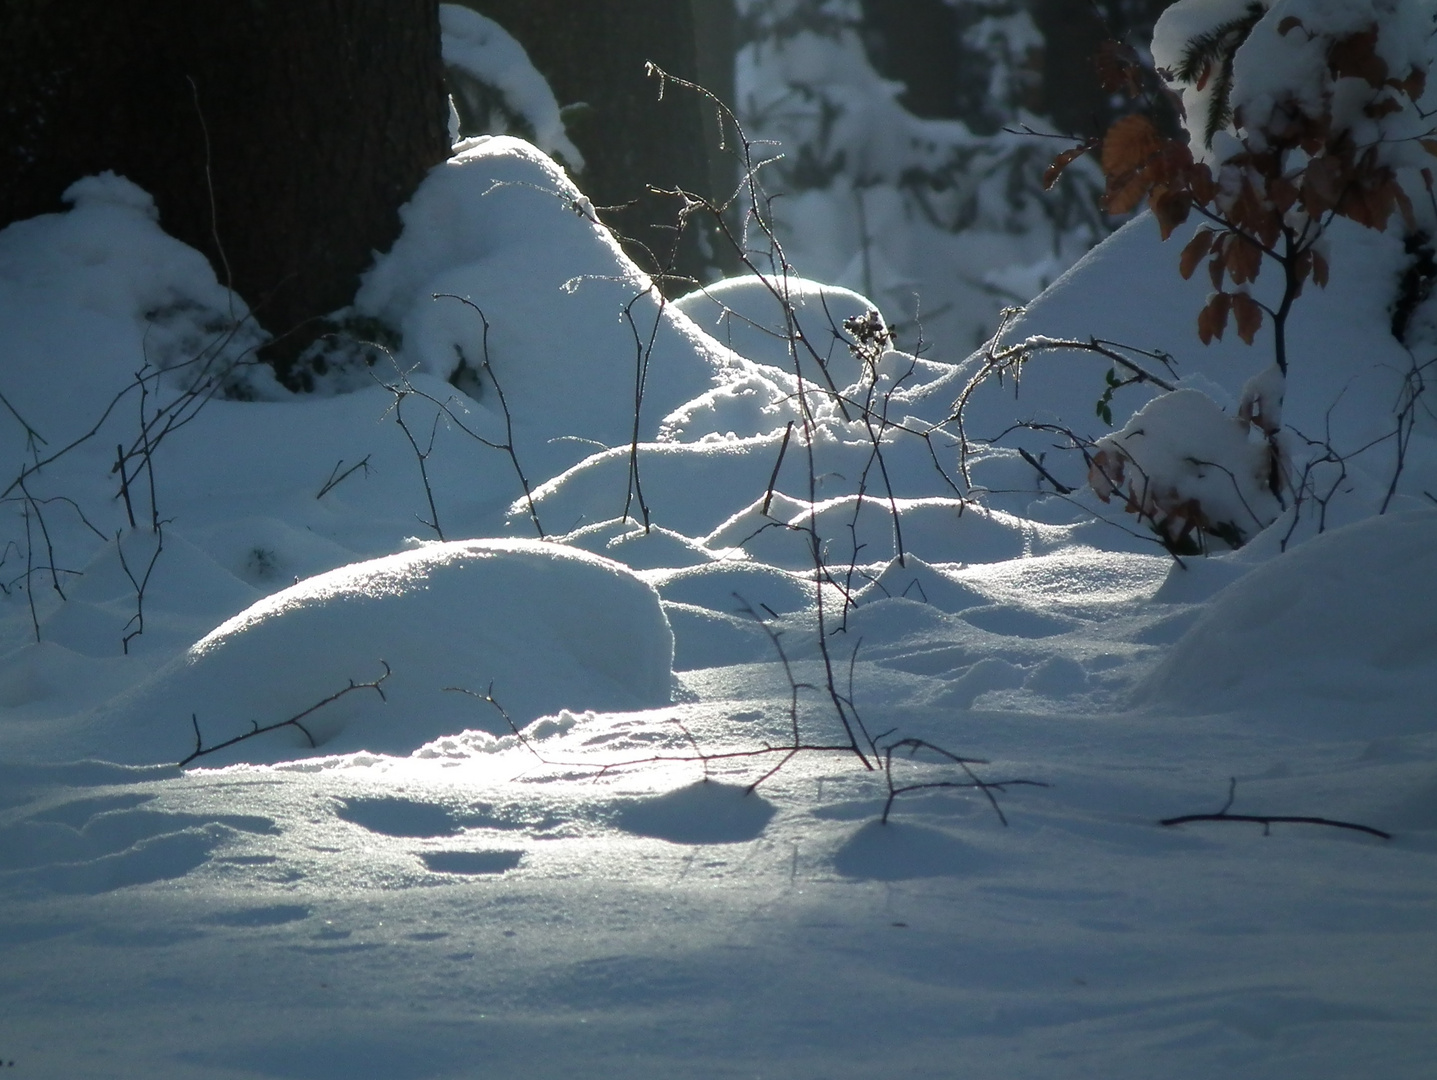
x: 1209, y: 55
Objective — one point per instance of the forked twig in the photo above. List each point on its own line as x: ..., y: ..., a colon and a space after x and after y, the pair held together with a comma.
x: 296, y: 721
x: 1268, y: 820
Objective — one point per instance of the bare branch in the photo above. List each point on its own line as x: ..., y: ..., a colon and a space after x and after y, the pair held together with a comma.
x: 296, y: 721
x: 1268, y: 820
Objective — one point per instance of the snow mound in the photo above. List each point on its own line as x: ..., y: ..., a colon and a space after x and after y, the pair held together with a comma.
x: 498, y: 235
x: 913, y: 579
x: 1346, y: 625
x: 1181, y: 461
x: 747, y: 314
x: 549, y: 627
x: 105, y: 273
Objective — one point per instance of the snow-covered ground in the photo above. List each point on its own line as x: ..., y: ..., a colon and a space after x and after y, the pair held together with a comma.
x: 425, y: 894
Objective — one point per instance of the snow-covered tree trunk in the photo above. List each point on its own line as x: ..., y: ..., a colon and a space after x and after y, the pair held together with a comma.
x: 278, y: 138
x: 593, y: 54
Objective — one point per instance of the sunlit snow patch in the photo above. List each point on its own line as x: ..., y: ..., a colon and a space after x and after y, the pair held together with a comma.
x: 747, y: 315
x: 1346, y: 624
x: 547, y: 626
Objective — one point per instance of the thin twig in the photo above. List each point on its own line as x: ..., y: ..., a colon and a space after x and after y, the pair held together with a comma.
x: 336, y: 477
x: 1268, y: 820
x: 295, y: 721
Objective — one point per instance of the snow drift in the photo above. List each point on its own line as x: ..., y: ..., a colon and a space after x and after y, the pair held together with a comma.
x: 547, y: 627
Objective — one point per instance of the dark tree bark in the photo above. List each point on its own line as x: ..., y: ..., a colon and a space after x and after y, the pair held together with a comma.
x: 715, y: 49
x: 279, y: 137
x: 916, y: 42
x: 593, y: 54
x: 1073, y: 32
x: 920, y: 44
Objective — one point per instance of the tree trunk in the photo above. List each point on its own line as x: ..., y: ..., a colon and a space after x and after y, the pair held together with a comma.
x: 1072, y: 32
x: 593, y: 55
x: 715, y: 48
x: 916, y: 42
x: 1072, y: 96
x: 279, y: 138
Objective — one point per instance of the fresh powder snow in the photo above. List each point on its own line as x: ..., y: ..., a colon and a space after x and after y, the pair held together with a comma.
x: 538, y: 594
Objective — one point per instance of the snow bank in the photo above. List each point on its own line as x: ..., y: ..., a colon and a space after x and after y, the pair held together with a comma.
x: 1346, y: 379
x: 1344, y: 627
x: 500, y: 225
x: 747, y: 314
x: 547, y: 626
x: 105, y: 273
x: 551, y: 924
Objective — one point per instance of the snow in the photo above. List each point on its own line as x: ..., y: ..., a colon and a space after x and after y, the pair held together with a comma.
x: 1366, y: 640
x: 540, y: 626
x: 1180, y: 448
x: 493, y: 236
x: 1283, y: 64
x: 427, y: 894
x: 484, y: 50
x: 942, y: 226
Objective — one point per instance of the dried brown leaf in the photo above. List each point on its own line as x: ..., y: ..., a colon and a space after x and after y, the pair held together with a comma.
x: 1217, y: 268
x: 1283, y: 193
x: 1123, y: 196
x: 1248, y: 315
x: 1413, y: 86
x: 1118, y: 68
x: 1196, y: 250
x: 1322, y: 184
x: 1170, y: 208
x: 1061, y: 162
x: 1200, y: 182
x: 1212, y: 319
x: 1386, y: 106
x: 1372, y: 204
x: 1129, y: 145
x: 1243, y: 261
x: 1404, y: 207
x: 1355, y: 57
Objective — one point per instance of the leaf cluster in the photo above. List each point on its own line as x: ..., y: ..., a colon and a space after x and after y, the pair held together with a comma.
x: 1293, y: 171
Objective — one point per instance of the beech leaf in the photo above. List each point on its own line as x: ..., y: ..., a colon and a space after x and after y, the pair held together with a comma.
x: 1413, y: 86
x: 1404, y: 207
x: 1376, y: 110
x: 1129, y: 144
x: 1123, y: 195
x: 1244, y: 261
x: 1212, y: 320
x: 1218, y: 266
x: 1171, y: 209
x: 1061, y: 162
x: 1355, y: 56
x: 1248, y: 315
x: 1196, y: 250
